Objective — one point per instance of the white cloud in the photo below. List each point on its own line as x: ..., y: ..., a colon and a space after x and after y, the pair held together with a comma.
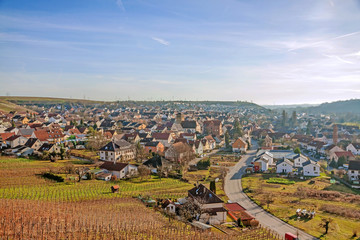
x: 161, y: 41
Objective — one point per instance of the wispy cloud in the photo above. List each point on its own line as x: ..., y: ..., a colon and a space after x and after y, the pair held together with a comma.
x: 161, y: 41
x: 339, y: 58
x: 120, y: 5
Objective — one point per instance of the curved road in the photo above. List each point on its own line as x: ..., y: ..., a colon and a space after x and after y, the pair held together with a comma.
x: 233, y: 190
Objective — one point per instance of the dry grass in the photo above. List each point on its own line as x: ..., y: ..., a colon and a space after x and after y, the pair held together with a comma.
x: 309, y: 195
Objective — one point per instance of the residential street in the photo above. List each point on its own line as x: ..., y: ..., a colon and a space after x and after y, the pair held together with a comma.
x: 233, y: 190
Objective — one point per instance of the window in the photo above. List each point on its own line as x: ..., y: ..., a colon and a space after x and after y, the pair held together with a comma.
x: 314, y: 168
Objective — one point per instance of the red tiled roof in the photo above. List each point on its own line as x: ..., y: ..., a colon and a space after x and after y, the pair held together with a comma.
x: 344, y: 154
x: 5, y: 136
x: 42, y: 135
x: 162, y: 136
x: 234, y: 207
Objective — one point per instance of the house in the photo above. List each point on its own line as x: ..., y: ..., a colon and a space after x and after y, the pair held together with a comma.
x: 188, y: 136
x: 26, y: 132
x: 131, y: 137
x: 4, y: 137
x: 211, y: 142
x: 106, y: 176
x: 169, y: 206
x: 346, y: 154
x: 179, y: 152
x: 354, y: 171
x: 120, y: 170
x: 240, y: 145
x: 49, y: 147
x: 33, y: 143
x: 190, y: 126
x: 42, y: 135
x: 329, y: 150
x: 213, y: 127
x: 164, y: 138
x: 117, y: 150
x: 354, y: 148
x: 284, y: 166
x: 311, y: 168
x: 16, y: 140
x: 212, y: 207
x: 236, y: 211
x: 197, y: 147
x: 154, y: 147
x: 299, y: 160
x: 316, y: 146
x: 261, y: 164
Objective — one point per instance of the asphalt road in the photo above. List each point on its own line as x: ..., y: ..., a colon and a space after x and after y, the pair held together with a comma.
x: 233, y: 190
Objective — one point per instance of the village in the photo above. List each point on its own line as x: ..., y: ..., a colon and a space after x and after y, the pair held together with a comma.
x: 195, y: 143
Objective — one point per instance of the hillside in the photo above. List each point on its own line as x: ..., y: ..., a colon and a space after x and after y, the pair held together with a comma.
x: 347, y: 106
x: 7, y: 106
x: 11, y: 103
x: 37, y: 100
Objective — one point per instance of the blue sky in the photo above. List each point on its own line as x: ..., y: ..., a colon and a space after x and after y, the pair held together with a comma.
x: 268, y: 52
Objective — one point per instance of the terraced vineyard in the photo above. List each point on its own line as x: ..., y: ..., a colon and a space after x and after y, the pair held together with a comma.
x: 32, y: 207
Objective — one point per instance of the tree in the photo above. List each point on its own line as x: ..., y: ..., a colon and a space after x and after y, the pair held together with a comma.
x: 308, y: 128
x: 227, y: 140
x: 294, y: 119
x: 325, y: 223
x: 140, y: 153
x: 238, y: 131
x: 284, y: 118
x: 62, y: 153
x: 80, y: 171
x: 223, y: 172
x: 297, y: 150
x: 333, y: 163
x: 341, y: 161
x: 144, y: 171
x: 96, y: 140
x: 189, y: 211
x: 213, y: 186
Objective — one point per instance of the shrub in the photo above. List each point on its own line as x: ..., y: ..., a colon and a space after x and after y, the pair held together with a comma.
x: 280, y: 181
x: 203, y: 164
x: 53, y: 177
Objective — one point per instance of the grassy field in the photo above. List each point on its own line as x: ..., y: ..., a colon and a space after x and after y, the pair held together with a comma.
x: 337, y: 202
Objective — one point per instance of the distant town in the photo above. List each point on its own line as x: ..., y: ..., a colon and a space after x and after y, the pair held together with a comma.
x: 221, y: 168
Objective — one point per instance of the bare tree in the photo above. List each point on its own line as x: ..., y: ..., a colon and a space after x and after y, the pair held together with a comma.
x: 80, y: 171
x: 96, y: 140
x: 144, y: 171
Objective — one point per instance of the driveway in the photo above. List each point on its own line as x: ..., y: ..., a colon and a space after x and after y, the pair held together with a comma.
x: 233, y: 190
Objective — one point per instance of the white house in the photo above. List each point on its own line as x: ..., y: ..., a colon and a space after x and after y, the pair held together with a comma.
x: 284, y: 166
x: 354, y: 171
x: 261, y: 164
x: 311, y: 168
x: 120, y: 170
x: 169, y: 206
x: 299, y: 160
x: 354, y: 148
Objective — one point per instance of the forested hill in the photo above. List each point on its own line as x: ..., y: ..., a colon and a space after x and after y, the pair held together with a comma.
x: 347, y: 106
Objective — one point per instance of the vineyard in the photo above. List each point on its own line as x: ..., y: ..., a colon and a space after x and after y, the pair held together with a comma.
x: 32, y: 207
